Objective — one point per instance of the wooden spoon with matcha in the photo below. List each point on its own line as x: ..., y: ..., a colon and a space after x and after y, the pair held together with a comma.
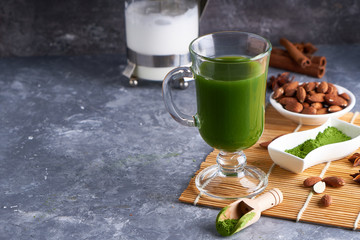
x: 244, y: 212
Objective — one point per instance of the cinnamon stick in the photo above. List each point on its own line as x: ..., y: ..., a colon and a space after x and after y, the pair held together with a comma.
x: 299, y: 46
x: 280, y: 51
x: 306, y: 48
x: 309, y: 48
x: 287, y: 63
x: 295, y: 53
x: 321, y: 60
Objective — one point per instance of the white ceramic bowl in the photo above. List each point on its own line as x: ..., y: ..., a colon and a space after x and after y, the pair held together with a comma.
x: 322, y: 154
x: 318, y: 119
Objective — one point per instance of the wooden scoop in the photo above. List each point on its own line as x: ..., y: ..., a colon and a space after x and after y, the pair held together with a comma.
x: 246, y: 211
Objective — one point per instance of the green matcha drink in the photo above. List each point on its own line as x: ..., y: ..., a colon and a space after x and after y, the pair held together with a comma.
x: 230, y: 102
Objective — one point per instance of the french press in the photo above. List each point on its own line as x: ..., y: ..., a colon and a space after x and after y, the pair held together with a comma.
x: 158, y: 34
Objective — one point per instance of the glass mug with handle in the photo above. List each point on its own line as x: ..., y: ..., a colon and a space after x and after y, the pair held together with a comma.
x: 230, y: 71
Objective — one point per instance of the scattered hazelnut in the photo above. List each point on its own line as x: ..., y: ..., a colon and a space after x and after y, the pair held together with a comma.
x: 326, y: 200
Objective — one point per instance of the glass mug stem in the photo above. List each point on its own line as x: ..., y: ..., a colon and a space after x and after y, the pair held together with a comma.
x: 173, y: 76
x: 231, y: 164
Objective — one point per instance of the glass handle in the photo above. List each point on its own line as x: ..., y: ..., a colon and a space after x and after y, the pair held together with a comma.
x: 173, y: 77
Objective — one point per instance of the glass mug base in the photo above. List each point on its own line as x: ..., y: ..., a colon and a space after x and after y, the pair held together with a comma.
x: 251, y: 182
x: 245, y: 181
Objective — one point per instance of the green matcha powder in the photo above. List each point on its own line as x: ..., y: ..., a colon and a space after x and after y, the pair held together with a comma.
x: 225, y: 227
x: 330, y: 135
x: 229, y: 227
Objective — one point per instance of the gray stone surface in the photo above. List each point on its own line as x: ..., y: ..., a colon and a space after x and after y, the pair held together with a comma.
x: 42, y: 27
x: 85, y: 156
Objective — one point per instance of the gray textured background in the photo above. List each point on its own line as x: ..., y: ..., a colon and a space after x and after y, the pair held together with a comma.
x: 56, y: 27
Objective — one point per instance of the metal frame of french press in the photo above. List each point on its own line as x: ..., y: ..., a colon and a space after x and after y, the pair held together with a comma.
x: 156, y: 61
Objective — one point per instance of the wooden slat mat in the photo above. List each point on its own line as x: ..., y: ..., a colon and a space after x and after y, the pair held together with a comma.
x: 344, y: 212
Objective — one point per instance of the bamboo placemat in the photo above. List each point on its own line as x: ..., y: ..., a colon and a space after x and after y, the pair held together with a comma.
x: 345, y: 210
